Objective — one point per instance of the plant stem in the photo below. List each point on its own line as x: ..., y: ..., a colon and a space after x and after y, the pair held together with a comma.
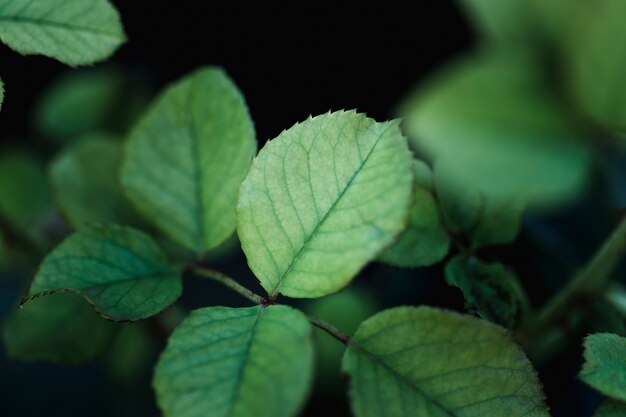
x: 257, y: 299
x: 329, y: 328
x: 230, y: 283
x: 595, y: 274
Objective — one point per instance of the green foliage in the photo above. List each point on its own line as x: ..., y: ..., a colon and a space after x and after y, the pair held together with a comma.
x: 491, y: 290
x: 410, y: 361
x: 492, y: 121
x: 189, y: 190
x: 611, y: 408
x: 85, y: 185
x: 236, y: 362
x: 75, y: 32
x: 424, y: 241
x: 81, y: 102
x: 321, y: 201
x: 62, y: 329
x: 605, y: 364
x: 119, y: 270
x: 502, y: 21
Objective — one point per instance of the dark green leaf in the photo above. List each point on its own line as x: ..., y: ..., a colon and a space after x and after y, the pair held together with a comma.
x: 491, y: 290
x: 61, y: 329
x: 119, y: 270
x: 227, y: 362
x: 322, y: 200
x: 611, y: 408
x: 407, y: 362
x: 187, y: 156
x: 76, y: 32
x: 605, y: 364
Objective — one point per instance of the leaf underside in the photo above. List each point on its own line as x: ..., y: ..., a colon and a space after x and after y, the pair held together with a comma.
x: 322, y: 200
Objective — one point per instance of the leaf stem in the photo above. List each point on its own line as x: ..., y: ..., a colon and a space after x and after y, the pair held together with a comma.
x: 257, y: 299
x: 328, y: 328
x: 596, y: 274
x: 229, y: 282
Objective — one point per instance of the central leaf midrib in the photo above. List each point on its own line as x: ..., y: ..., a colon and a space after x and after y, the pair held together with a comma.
x: 379, y: 362
x: 59, y: 25
x: 274, y: 292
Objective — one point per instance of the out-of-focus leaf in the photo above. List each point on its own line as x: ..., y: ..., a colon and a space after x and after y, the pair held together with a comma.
x: 80, y: 102
x: 499, y: 223
x: 131, y: 354
x: 611, y: 408
x: 492, y: 120
x: 502, y: 21
x: 85, y: 183
x: 61, y: 329
x: 605, y: 364
x: 491, y: 290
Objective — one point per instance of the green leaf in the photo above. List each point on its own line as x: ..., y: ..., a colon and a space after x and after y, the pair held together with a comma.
x: 424, y: 241
x: 422, y: 361
x: 1, y: 93
x: 120, y: 270
x: 605, y: 364
x: 499, y: 223
x: 491, y: 290
x: 132, y: 355
x: 187, y: 156
x: 83, y: 101
x: 322, y: 200
x: 597, y: 62
x: 75, y: 32
x: 61, y: 329
x: 494, y: 123
x: 242, y: 362
x: 611, y: 408
x: 345, y: 310
x: 85, y: 183
x: 502, y: 21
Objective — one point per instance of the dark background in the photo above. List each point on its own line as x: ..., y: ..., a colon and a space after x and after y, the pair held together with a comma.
x: 289, y: 62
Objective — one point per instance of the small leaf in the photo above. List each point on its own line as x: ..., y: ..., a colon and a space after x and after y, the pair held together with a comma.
x: 321, y: 201
x: 499, y: 223
x: 61, y: 329
x: 120, y: 270
x: 496, y: 125
x: 605, y: 364
x: 227, y: 362
x: 408, y: 361
x: 611, y: 408
x: 85, y: 183
x: 491, y: 290
x: 87, y: 100
x: 424, y: 241
x: 596, y: 64
x: 187, y: 156
x: 75, y: 32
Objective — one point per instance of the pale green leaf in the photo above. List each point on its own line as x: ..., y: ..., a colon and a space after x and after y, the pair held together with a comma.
x: 495, y: 124
x: 83, y: 101
x: 227, y: 362
x: 61, y: 329
x: 611, y: 408
x: 491, y: 290
x: 187, y: 156
x: 597, y: 62
x: 120, y: 270
x: 75, y: 32
x: 426, y: 362
x: 86, y: 185
x: 424, y: 242
x: 322, y: 200
x: 605, y: 364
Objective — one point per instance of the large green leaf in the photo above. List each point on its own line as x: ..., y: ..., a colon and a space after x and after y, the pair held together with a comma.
x: 76, y: 32
x: 87, y: 100
x: 119, y: 270
x: 424, y: 241
x: 227, y: 362
x: 494, y: 124
x: 187, y: 156
x: 597, y: 65
x: 605, y: 364
x: 409, y: 362
x: 86, y: 185
x: 60, y: 329
x: 491, y: 290
x: 611, y: 408
x: 322, y: 200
